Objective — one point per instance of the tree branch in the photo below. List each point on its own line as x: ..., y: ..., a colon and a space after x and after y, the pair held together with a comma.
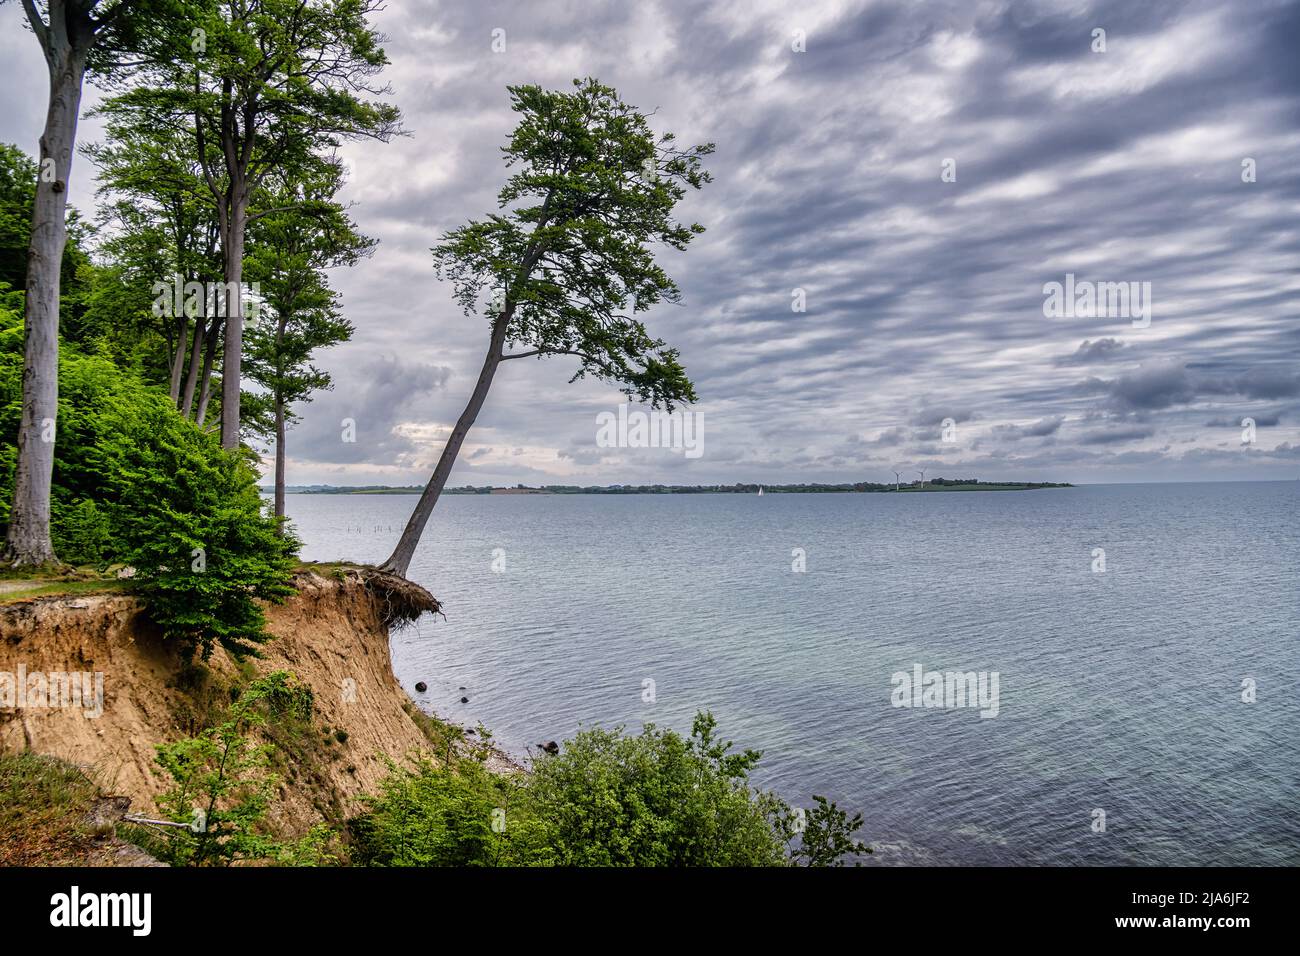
x: 38, y: 26
x: 581, y: 355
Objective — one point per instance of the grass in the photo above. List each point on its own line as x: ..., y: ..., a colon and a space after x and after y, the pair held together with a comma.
x: 23, y: 589
x: 332, y: 569
x: 442, y: 735
x: 43, y: 807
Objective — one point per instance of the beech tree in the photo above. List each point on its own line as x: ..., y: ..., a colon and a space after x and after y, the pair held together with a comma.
x: 569, y: 260
x: 166, y: 233
x: 266, y: 84
x: 290, y: 251
x: 18, y: 179
x: 68, y: 32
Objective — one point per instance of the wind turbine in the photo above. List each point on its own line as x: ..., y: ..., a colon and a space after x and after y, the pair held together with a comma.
x: 921, y: 472
x: 898, y: 480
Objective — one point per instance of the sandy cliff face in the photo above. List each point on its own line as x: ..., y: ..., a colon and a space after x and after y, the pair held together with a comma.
x: 333, y: 634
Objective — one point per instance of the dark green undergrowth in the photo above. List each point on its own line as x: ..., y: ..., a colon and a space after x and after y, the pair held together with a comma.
x: 607, y: 799
x: 136, y: 483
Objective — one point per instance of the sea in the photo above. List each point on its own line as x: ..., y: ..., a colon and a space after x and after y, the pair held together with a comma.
x: 1096, y: 675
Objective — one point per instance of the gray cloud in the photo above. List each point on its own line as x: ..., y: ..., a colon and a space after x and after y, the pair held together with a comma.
x: 1039, y: 429
x: 1092, y: 353
x: 1262, y: 420
x: 1115, y: 434
x: 386, y: 394
x: 924, y: 297
x: 1154, y: 386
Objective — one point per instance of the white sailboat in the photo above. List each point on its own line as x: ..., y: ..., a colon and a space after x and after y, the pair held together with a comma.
x: 760, y: 491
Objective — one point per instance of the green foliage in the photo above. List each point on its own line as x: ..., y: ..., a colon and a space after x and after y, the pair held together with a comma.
x: 222, y: 785
x: 607, y: 799
x: 136, y: 483
x: 289, y: 253
x: 425, y: 815
x: 91, y: 386
x: 82, y: 533
x: 301, y: 77
x: 828, y: 836
x: 657, y: 799
x: 192, y: 524
x: 164, y: 229
x: 17, y: 196
x: 571, y: 256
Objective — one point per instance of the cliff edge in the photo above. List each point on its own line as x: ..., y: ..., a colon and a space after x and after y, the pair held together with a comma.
x: 333, y: 634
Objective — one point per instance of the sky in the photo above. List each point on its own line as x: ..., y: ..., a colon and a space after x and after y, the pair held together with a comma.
x: 896, y: 187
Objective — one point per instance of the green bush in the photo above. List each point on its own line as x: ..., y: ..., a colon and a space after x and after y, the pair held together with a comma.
x: 136, y: 483
x: 607, y: 799
x: 828, y: 836
x: 657, y: 799
x: 191, y: 522
x: 425, y: 815
x: 90, y: 386
x: 222, y: 785
x: 82, y: 533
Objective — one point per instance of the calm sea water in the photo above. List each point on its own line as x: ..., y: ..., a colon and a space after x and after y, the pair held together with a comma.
x: 1119, y: 691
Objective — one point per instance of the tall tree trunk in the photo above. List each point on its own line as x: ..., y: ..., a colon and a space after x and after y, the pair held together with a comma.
x: 279, y: 460
x: 178, y: 358
x: 281, y: 321
x: 192, y: 374
x: 400, y: 560
x: 205, y: 382
x: 234, y: 351
x: 28, y: 541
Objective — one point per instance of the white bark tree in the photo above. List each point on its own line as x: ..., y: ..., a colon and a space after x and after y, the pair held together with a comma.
x: 67, y: 30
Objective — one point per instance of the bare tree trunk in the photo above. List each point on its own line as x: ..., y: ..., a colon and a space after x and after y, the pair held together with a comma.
x: 28, y: 541
x: 400, y: 560
x: 178, y: 358
x: 204, y: 398
x: 192, y: 374
x: 205, y: 384
x: 279, y: 460
x: 234, y: 352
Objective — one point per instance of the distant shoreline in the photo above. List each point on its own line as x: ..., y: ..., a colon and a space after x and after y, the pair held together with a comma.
x: 931, y: 485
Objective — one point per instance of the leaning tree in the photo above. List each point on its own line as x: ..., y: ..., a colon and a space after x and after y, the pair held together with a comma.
x: 569, y: 260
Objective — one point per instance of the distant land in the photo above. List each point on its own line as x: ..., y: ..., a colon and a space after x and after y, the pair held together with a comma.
x: 931, y: 484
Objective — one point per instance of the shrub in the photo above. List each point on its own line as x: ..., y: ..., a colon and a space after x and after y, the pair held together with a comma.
x: 82, y: 534
x: 657, y: 799
x: 222, y: 784
x: 428, y: 815
x: 828, y: 836
x: 136, y: 482
x: 607, y: 799
x: 191, y: 522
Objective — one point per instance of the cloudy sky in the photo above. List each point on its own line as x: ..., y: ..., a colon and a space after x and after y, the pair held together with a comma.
x: 920, y: 170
